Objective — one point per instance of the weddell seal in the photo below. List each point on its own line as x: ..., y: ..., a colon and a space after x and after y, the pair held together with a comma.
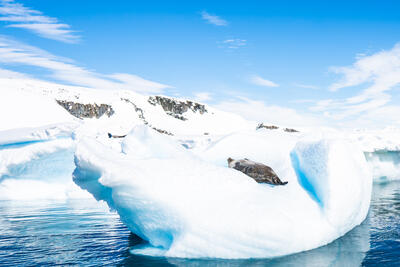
x: 258, y: 171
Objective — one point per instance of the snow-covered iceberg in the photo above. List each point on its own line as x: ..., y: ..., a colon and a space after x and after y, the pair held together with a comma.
x: 192, y: 205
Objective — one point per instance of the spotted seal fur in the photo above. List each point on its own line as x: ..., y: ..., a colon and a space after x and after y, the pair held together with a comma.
x: 259, y: 172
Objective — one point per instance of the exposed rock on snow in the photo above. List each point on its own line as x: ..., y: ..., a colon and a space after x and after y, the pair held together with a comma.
x: 288, y: 130
x: 140, y: 113
x: 259, y: 172
x: 82, y: 111
x: 269, y: 127
x: 138, y: 110
x: 162, y: 131
x: 273, y: 127
x: 115, y: 136
x: 176, y: 108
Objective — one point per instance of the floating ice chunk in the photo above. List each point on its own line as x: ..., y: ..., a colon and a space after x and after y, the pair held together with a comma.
x: 187, y: 207
x: 384, y: 165
x: 38, y: 170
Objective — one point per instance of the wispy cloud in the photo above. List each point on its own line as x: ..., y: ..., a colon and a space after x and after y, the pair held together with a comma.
x: 305, y: 86
x: 302, y: 101
x: 23, y: 17
x: 257, y: 80
x: 4, y: 73
x: 232, y: 43
x: 213, y: 19
x: 380, y: 74
x: 16, y: 53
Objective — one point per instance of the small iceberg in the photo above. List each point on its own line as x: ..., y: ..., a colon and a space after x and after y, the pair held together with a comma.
x: 192, y: 205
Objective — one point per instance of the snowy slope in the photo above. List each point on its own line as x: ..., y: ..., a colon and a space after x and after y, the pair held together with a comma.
x: 130, y: 109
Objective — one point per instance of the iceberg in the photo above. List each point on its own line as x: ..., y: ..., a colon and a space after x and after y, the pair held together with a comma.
x: 384, y: 164
x: 190, y: 204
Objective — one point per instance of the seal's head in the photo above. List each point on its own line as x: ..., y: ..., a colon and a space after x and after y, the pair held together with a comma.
x: 230, y: 160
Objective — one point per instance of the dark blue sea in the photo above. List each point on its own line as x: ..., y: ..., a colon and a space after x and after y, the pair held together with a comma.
x: 84, y: 233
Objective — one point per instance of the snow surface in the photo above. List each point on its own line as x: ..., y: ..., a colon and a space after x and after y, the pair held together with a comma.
x: 23, y: 109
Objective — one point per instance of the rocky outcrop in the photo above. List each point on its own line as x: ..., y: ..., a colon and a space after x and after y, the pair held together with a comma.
x: 162, y: 131
x: 269, y: 127
x: 140, y: 113
x: 115, y: 136
x: 290, y: 130
x: 82, y: 111
x: 138, y: 110
x: 259, y: 172
x: 176, y: 108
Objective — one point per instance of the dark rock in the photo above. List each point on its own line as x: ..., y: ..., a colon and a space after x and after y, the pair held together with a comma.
x: 269, y: 127
x: 176, y: 108
x: 115, y: 136
x: 81, y: 111
x: 162, y: 131
x: 259, y: 172
x: 290, y: 130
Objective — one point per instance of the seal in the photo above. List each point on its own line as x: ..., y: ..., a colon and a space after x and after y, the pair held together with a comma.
x: 259, y: 172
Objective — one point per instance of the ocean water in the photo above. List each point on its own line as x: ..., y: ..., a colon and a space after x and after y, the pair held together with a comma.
x: 85, y: 233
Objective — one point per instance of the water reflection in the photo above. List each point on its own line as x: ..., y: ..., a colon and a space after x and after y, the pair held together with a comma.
x: 384, y: 226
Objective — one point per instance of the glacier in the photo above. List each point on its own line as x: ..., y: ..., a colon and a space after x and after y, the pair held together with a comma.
x: 175, y: 190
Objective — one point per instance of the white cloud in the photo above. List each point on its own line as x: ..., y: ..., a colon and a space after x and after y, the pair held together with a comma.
x: 139, y: 83
x: 4, y: 73
x: 257, y: 80
x: 202, y: 96
x: 379, y: 74
x: 258, y: 111
x: 213, y: 19
x: 33, y: 20
x: 302, y: 101
x: 15, y: 53
x: 305, y: 86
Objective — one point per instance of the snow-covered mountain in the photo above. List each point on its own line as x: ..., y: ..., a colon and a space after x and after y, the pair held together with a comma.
x: 168, y: 178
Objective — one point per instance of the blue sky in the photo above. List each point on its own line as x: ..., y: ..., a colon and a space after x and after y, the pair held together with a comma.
x: 288, y: 62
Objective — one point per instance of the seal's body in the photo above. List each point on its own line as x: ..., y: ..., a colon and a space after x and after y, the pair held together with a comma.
x: 258, y: 171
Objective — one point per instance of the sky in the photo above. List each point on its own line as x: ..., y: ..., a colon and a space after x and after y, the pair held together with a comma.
x: 305, y: 63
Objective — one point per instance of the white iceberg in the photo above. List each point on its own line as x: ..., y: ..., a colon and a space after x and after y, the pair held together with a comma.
x: 188, y: 205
